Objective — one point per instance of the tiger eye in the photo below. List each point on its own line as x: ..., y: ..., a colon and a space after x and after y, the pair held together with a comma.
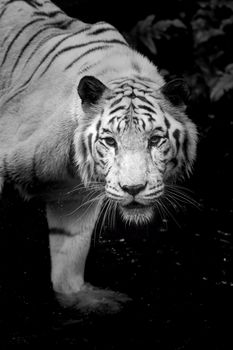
x: 154, y: 140
x: 110, y: 141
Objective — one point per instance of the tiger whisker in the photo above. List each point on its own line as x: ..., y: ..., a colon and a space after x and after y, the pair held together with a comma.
x: 90, y: 185
x: 105, y: 209
x: 183, y: 197
x: 167, y: 211
x: 89, y: 206
x: 92, y: 200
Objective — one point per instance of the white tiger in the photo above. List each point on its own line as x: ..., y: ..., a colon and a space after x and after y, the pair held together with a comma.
x: 86, y: 122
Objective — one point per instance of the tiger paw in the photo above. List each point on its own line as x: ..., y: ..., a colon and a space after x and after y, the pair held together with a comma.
x: 94, y: 300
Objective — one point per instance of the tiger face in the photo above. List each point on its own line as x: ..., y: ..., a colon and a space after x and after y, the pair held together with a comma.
x: 135, y: 142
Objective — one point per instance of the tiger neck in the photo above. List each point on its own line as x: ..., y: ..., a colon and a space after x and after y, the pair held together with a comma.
x: 125, y: 64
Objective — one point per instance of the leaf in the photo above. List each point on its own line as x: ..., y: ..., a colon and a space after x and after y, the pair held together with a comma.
x: 149, y: 43
x: 228, y: 3
x: 145, y: 24
x: 223, y: 85
x: 229, y: 68
x: 164, y: 28
x: 143, y: 32
x: 228, y: 22
x: 203, y: 32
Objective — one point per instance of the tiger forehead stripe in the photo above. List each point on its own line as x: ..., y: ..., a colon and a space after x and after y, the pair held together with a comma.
x: 119, y: 108
x: 116, y: 102
x: 148, y: 109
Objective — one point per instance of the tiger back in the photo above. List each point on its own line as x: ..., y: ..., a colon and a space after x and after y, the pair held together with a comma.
x: 89, y: 125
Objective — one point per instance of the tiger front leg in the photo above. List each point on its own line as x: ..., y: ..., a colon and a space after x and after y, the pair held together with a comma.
x: 70, y: 237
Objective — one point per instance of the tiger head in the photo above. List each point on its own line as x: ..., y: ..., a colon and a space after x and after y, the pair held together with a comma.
x: 135, y: 140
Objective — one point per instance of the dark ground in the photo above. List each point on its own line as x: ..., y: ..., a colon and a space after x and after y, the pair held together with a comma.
x: 179, y: 275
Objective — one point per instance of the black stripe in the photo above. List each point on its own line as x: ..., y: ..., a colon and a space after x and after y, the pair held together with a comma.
x: 21, y: 89
x: 2, y: 13
x: 102, y: 30
x: 106, y: 174
x: 148, y: 115
x: 114, y: 41
x: 34, y: 72
x: 51, y: 14
x: 56, y: 45
x: 27, y: 45
x: 97, y: 130
x: 148, y: 109
x: 103, y: 144
x: 59, y: 231
x: 158, y: 128
x: 167, y: 123
x: 87, y: 53
x: 32, y: 3
x: 17, y: 35
x: 107, y: 131
x: 176, y: 135
x: 111, y: 120
x: 61, y: 24
x: 73, y: 47
x: 99, y: 153
x: 102, y: 162
x: 185, y: 145
x: 51, y: 36
x: 116, y: 102
x: 52, y: 50
x: 143, y: 124
x: 98, y: 126
x: 165, y: 152
x: 143, y: 99
x: 150, y: 118
x: 117, y: 109
x: 70, y: 21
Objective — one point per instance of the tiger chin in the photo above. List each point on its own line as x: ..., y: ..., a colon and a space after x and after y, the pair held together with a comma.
x: 90, y: 126
x: 137, y: 215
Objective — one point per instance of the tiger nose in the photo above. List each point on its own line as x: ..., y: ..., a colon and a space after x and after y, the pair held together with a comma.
x: 133, y: 190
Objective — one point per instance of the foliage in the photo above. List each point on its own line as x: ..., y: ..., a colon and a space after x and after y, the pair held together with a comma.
x: 196, y: 43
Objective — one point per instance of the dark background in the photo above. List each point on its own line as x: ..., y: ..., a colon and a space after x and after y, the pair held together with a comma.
x: 179, y: 273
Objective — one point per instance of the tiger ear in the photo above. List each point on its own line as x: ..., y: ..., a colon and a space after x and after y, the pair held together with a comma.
x: 177, y: 92
x: 90, y: 90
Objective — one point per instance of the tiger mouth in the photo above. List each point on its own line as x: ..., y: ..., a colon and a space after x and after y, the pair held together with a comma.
x: 135, y: 205
x: 137, y: 213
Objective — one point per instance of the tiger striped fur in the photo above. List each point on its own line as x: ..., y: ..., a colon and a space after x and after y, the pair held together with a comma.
x: 88, y: 124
